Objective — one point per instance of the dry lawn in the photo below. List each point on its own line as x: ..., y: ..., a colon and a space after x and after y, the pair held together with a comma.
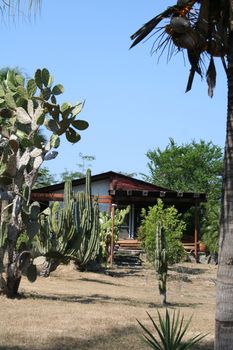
x: 74, y: 310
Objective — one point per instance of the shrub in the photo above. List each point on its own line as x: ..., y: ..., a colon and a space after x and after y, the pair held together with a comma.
x: 173, y: 227
x: 211, y: 227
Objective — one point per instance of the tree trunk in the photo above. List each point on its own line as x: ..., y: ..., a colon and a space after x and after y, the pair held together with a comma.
x: 224, y: 296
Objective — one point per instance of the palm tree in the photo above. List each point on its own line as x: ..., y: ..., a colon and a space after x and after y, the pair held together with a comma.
x: 204, y: 30
x: 13, y: 7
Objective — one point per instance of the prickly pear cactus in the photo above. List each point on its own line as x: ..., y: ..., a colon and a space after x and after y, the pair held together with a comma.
x: 31, y: 273
x: 26, y: 107
x: 161, y: 264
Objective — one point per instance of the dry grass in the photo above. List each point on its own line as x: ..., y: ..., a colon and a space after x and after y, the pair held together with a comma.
x: 73, y: 310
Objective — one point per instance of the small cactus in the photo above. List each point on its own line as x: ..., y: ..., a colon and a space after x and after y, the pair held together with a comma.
x: 161, y: 264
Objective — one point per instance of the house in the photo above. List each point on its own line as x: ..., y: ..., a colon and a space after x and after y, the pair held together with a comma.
x: 121, y: 190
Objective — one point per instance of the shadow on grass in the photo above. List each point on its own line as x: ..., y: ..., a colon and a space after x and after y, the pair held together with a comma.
x: 89, y: 299
x: 102, y: 299
x: 188, y: 270
x: 175, y: 305
x: 115, y: 338
x: 207, y: 345
x: 124, y: 273
x: 86, y: 279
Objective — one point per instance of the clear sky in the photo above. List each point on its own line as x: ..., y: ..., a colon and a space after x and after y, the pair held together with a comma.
x: 132, y: 103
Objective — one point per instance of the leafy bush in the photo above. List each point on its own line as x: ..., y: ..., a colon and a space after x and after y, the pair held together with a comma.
x: 172, y: 225
x: 170, y: 333
x: 211, y: 227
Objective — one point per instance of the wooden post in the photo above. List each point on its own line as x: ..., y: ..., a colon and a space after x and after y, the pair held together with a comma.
x: 196, y: 232
x: 112, y: 237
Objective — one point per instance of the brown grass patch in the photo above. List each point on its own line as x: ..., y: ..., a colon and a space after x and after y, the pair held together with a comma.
x: 74, y: 310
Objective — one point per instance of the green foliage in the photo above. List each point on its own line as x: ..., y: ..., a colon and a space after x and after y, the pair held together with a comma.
x: 106, y: 227
x: 211, y: 227
x: 169, y: 332
x: 173, y: 227
x: 44, y: 178
x: 190, y: 167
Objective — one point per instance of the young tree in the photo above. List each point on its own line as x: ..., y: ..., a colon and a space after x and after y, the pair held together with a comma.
x: 173, y: 226
x: 204, y: 29
x: 26, y: 107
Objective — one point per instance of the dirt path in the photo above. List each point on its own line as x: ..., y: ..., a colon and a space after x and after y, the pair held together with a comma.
x: 73, y: 310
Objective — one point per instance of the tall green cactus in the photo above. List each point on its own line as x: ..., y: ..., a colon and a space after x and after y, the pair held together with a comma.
x: 71, y: 232
x: 161, y: 265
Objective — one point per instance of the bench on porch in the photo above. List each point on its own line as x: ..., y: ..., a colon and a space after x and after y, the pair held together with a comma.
x: 134, y: 244
x: 189, y: 247
x: 130, y: 244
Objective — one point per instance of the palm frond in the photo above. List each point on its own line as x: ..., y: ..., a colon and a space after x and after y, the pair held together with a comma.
x: 13, y: 7
x: 199, y: 27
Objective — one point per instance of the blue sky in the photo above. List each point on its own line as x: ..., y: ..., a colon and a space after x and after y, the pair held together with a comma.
x: 132, y: 103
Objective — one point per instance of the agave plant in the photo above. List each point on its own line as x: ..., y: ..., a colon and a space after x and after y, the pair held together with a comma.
x: 170, y: 332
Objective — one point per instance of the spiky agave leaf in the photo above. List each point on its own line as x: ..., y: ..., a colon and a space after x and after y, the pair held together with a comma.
x: 169, y: 333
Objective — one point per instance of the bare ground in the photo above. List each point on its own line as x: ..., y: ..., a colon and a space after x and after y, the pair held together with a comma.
x: 76, y: 310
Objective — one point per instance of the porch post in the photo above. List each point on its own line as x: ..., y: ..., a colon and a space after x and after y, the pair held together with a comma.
x: 196, y: 232
x: 131, y: 222
x: 112, y: 237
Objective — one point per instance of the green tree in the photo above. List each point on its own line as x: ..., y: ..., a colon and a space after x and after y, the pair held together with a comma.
x: 190, y: 167
x: 204, y: 30
x: 173, y: 226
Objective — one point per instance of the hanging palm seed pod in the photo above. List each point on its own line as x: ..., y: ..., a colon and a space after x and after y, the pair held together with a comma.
x: 180, y: 24
x: 188, y: 40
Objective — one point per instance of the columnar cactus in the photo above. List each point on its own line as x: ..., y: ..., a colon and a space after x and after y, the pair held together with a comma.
x: 71, y: 232
x: 24, y: 108
x: 161, y: 264
x: 86, y: 240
